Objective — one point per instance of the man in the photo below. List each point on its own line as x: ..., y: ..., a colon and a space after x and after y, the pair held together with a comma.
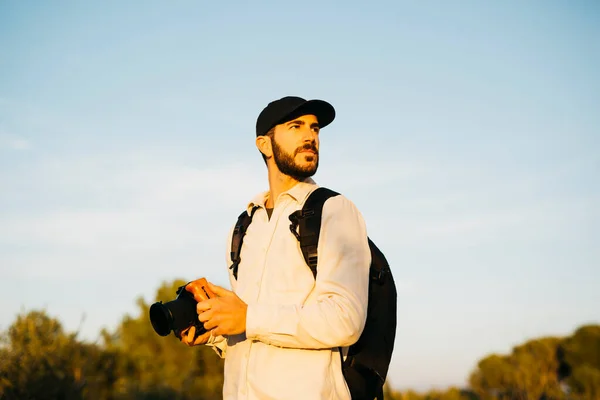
x: 282, y: 332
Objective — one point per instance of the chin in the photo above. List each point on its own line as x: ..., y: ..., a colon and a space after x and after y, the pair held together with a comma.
x: 310, y: 171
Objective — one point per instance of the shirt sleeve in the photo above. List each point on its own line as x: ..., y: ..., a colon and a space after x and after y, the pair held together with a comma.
x: 337, y: 315
x: 218, y: 344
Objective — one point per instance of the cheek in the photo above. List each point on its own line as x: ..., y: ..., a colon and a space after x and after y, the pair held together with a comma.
x: 283, y: 142
x: 289, y: 147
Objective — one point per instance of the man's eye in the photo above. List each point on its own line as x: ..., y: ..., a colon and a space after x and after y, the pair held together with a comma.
x: 295, y: 126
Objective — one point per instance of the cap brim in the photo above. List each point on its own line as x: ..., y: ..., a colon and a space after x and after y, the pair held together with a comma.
x: 321, y: 109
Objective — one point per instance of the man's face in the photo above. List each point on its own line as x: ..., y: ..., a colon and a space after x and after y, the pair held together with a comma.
x: 296, y: 147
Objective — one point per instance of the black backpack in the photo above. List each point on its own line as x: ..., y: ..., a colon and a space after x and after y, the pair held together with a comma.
x: 366, y: 366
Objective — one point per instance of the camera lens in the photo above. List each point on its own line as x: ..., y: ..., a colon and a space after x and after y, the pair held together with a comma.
x: 161, y: 319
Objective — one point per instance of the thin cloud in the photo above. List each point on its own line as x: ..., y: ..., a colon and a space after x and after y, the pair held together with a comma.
x: 521, y: 222
x: 407, y: 287
x: 357, y: 176
x: 13, y: 142
x: 137, y: 204
x: 144, y: 219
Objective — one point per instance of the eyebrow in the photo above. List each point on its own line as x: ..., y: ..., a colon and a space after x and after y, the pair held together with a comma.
x: 300, y: 122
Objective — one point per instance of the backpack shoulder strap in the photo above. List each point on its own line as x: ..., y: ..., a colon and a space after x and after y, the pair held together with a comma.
x: 242, y: 224
x: 308, y: 222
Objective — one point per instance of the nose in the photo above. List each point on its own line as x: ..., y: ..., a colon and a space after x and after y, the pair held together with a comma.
x: 309, y: 135
x: 310, y: 142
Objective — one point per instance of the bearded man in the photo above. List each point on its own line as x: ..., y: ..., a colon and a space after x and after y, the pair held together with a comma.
x: 283, y: 332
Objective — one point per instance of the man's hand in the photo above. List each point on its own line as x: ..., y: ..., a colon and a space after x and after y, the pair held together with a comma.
x: 224, y: 314
x: 187, y: 337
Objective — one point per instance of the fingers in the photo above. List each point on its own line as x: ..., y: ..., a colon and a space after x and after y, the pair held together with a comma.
x: 209, y: 318
x: 187, y: 335
x: 202, y: 339
x: 210, y: 322
x: 204, y: 306
x: 218, y: 290
x: 205, y: 316
x: 183, y: 337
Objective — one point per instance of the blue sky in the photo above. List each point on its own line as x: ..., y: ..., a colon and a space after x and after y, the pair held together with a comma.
x: 468, y: 134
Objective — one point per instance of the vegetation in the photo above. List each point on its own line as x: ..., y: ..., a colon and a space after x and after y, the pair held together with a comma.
x: 39, y: 360
x: 548, y: 368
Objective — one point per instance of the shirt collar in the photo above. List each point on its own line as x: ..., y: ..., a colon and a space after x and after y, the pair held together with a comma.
x: 298, y: 192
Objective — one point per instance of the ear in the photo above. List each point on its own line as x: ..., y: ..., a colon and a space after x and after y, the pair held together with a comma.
x: 263, y: 144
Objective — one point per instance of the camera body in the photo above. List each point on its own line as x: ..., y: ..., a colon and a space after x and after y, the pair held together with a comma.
x: 180, y: 314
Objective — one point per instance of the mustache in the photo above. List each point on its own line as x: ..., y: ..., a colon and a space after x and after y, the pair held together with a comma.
x: 308, y: 146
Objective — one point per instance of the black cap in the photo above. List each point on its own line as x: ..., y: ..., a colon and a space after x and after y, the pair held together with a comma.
x: 290, y: 107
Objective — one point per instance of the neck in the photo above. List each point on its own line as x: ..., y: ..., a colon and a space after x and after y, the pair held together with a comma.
x: 278, y: 183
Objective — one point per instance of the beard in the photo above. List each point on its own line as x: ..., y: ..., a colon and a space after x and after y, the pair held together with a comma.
x: 287, y: 164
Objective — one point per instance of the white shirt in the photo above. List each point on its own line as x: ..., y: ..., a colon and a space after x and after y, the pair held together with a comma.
x: 295, y: 325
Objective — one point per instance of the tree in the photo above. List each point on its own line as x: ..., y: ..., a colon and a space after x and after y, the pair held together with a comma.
x: 579, y: 357
x: 535, y: 367
x: 529, y: 372
x: 164, y: 367
x: 493, y: 378
x: 39, y: 360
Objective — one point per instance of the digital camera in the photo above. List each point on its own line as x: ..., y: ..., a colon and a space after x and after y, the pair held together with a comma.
x: 180, y: 314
